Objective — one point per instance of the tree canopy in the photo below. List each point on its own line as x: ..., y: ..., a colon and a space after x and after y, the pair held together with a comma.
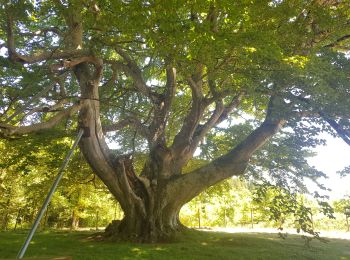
x: 242, y: 86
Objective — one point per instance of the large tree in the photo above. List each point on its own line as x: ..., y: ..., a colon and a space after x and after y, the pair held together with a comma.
x: 157, y: 78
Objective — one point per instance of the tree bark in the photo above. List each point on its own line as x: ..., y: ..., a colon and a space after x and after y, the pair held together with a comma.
x: 159, y: 225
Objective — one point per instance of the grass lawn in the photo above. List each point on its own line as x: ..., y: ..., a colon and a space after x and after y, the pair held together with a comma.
x: 190, y: 245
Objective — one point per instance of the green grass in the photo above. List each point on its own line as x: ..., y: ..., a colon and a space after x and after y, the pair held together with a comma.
x: 190, y: 245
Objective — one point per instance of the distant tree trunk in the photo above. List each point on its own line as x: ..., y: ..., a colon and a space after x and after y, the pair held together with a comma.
x: 252, y: 217
x: 75, y: 220
x: 199, y: 217
x: 225, y: 220
x: 46, y: 216
x: 60, y: 223
x: 17, y: 219
x: 5, y: 221
x: 5, y: 218
x: 96, y: 219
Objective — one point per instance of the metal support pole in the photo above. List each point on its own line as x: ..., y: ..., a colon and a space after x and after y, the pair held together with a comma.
x: 49, y: 196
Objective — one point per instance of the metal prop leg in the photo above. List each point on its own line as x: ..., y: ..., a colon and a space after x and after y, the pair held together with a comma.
x: 49, y: 196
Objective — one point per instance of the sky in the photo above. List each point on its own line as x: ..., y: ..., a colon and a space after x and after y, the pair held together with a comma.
x: 330, y: 159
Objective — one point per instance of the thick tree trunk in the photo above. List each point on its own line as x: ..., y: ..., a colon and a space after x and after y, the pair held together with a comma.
x: 157, y: 225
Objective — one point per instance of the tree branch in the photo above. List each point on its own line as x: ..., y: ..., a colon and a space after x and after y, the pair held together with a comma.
x: 46, y: 109
x: 337, y: 41
x: 73, y: 62
x: 183, y: 154
x: 191, y: 121
x: 202, y: 130
x: 170, y: 86
x: 38, y: 57
x: 161, y: 110
x: 43, y: 32
x: 220, y: 114
x: 131, y: 69
x: 36, y: 97
x: 9, y: 130
x: 42, y: 56
x: 342, y: 133
x: 10, y: 38
x: 230, y: 107
x: 232, y: 163
x: 130, y: 121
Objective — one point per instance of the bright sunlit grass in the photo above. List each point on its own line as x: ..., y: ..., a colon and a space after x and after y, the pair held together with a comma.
x: 190, y: 245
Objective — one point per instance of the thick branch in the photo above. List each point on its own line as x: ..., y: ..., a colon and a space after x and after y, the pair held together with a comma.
x: 343, y: 134
x: 170, y: 86
x: 10, y: 38
x: 59, y: 106
x: 196, y: 89
x: 232, y: 163
x: 220, y: 114
x: 161, y: 110
x: 188, y: 148
x: 185, y: 135
x: 21, y: 130
x: 337, y: 41
x: 93, y: 145
x: 40, y: 56
x: 230, y: 107
x: 73, y: 62
x: 132, y: 69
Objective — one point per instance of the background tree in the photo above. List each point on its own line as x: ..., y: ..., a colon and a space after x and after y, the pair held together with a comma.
x: 28, y: 168
x: 157, y: 79
x: 342, y: 206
